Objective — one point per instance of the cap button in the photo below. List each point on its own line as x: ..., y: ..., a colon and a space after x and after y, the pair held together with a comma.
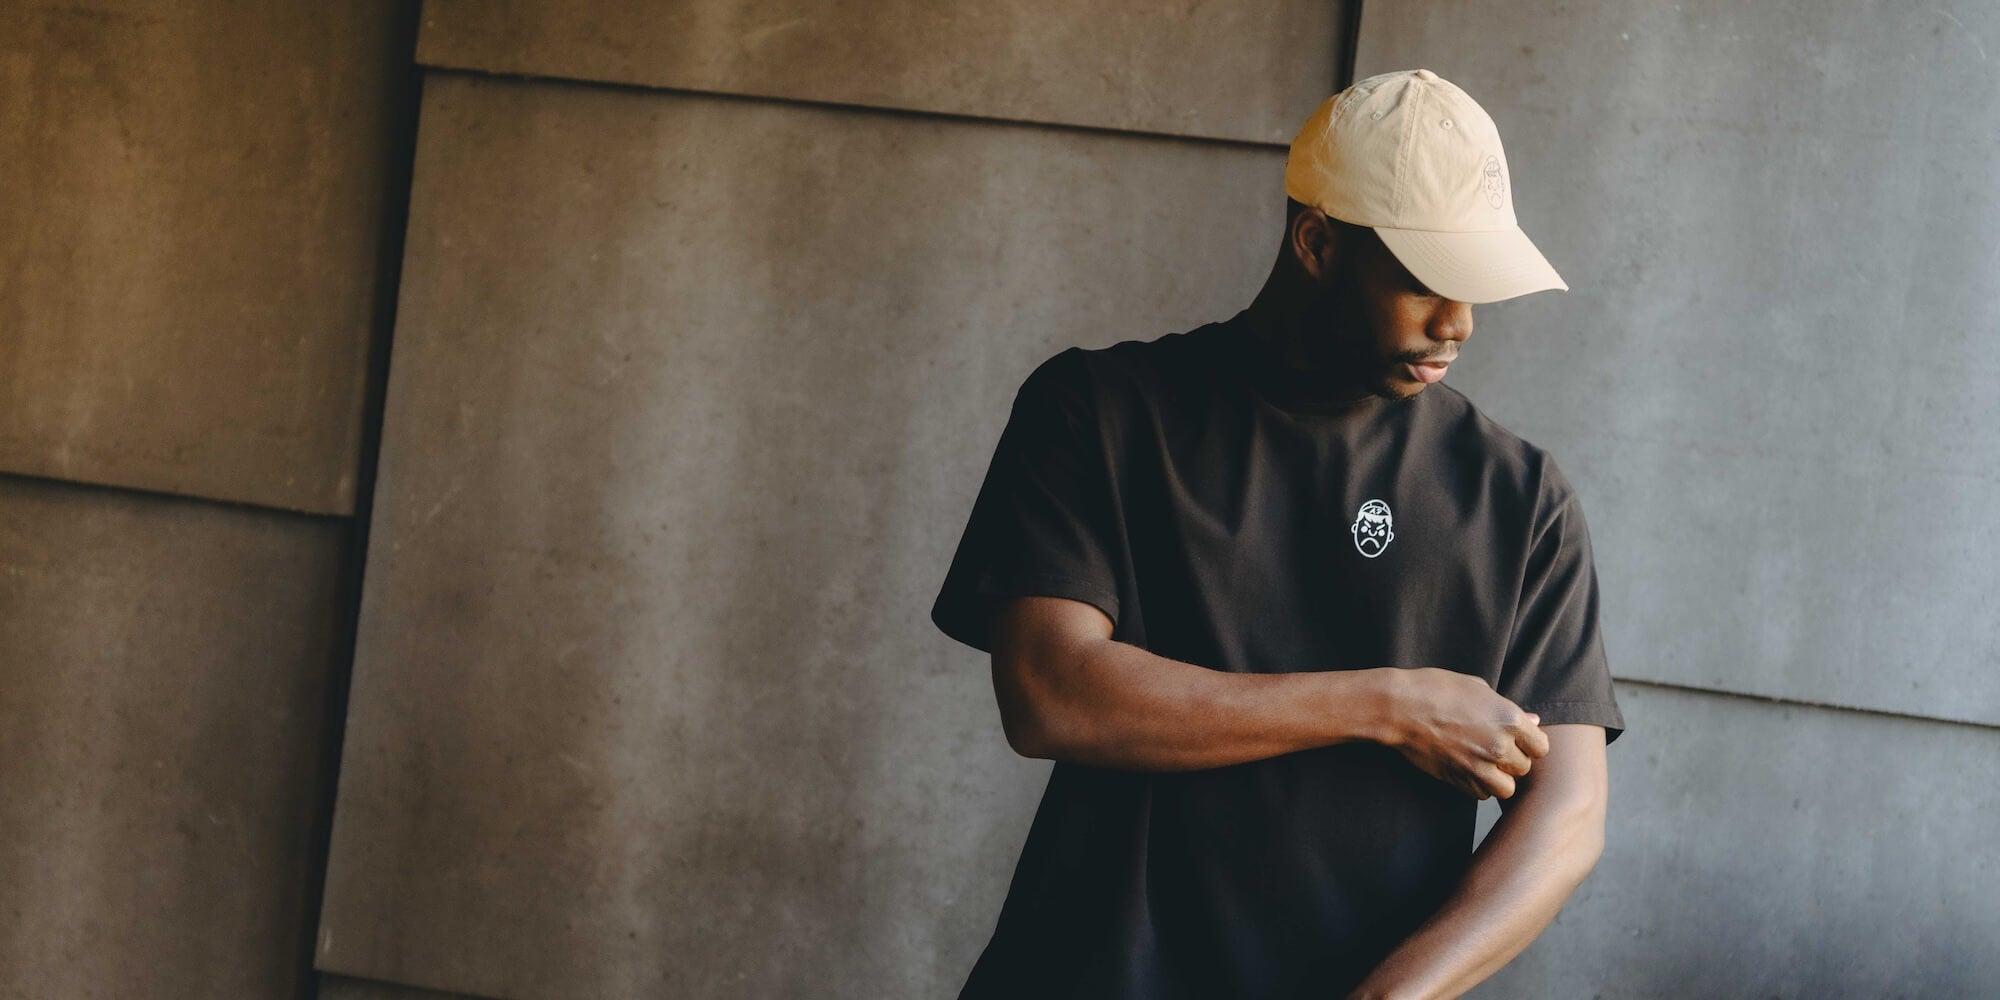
x: 1424, y: 74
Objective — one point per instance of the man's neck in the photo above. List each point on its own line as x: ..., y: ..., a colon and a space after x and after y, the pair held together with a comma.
x: 1277, y: 318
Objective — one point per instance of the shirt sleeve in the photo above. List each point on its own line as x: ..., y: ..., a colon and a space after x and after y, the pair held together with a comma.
x: 1043, y: 522
x: 1555, y: 665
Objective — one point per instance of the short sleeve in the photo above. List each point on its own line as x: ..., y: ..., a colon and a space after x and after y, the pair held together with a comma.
x: 1042, y: 523
x: 1555, y: 665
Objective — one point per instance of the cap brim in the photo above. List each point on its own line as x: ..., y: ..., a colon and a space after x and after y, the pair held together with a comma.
x: 1473, y: 267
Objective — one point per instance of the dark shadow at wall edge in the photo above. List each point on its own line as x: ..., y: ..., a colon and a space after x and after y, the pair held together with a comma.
x: 1346, y: 44
x: 401, y: 114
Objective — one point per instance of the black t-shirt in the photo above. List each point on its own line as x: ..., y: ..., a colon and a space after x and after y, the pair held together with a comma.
x: 1194, y: 489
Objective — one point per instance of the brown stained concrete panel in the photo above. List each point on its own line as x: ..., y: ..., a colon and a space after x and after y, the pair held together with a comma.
x: 1250, y: 71
x: 189, y: 229
x: 164, y: 665
x: 1757, y: 849
x: 1773, y: 378
x: 689, y: 401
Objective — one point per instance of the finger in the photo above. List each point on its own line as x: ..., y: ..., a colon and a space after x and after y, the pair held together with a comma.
x: 1498, y: 782
x: 1514, y: 761
x: 1532, y: 738
x: 1506, y: 754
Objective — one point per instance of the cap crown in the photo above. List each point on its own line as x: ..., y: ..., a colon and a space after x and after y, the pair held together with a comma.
x: 1405, y: 150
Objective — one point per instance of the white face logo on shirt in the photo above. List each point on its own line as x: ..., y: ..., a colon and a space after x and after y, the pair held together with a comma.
x: 1374, y: 528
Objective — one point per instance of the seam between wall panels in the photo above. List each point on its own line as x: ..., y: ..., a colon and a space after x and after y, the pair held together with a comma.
x: 1829, y: 706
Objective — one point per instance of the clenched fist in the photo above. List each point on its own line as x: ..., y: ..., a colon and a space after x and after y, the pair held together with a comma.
x: 1460, y: 731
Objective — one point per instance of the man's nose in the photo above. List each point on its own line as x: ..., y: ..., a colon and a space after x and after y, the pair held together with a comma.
x: 1452, y: 322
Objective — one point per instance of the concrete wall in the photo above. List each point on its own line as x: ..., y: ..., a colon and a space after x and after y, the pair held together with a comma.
x: 705, y: 337
x: 1777, y: 225
x: 689, y: 397
x: 196, y: 201
x: 690, y: 390
x: 1174, y: 67
x: 335, y: 987
x: 688, y: 400
x: 189, y: 242
x: 166, y: 665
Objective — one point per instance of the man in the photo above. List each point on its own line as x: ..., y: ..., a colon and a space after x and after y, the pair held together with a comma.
x: 1282, y: 607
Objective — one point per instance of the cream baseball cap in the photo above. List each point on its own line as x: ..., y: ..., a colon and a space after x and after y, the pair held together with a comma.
x: 1413, y: 157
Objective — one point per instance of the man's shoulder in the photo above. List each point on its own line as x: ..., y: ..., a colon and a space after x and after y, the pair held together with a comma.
x: 1500, y: 452
x: 1125, y: 371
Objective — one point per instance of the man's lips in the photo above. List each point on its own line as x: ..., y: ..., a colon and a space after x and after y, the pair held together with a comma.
x: 1427, y: 371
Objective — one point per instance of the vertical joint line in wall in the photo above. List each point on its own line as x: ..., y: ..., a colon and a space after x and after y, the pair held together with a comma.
x: 399, y: 176
x: 1345, y: 45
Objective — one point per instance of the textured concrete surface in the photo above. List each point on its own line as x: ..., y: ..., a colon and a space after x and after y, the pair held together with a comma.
x: 1776, y: 380
x: 1236, y: 71
x: 189, y: 231
x: 333, y: 987
x: 689, y: 400
x: 1758, y: 850
x: 163, y: 668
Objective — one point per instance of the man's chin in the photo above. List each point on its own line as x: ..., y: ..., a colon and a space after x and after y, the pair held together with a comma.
x: 1393, y: 388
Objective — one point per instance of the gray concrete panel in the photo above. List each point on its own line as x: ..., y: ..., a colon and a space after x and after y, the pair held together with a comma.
x: 1756, y: 849
x: 189, y: 229
x: 1234, y: 71
x: 1776, y: 380
x: 689, y: 401
x: 348, y: 988
x: 163, y: 670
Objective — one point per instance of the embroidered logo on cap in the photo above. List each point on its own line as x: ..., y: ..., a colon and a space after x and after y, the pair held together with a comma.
x: 1490, y: 179
x: 1373, y: 528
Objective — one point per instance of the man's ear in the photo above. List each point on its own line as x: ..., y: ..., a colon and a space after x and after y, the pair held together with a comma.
x: 1314, y: 243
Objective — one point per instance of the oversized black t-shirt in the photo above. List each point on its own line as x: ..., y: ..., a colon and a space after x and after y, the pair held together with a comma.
x: 1194, y: 489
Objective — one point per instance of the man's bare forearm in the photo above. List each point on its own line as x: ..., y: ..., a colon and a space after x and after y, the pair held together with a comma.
x: 1068, y: 691
x: 1112, y: 704
x: 1534, y: 858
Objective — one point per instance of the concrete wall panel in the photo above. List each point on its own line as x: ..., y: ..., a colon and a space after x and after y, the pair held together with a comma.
x: 348, y: 988
x: 1236, y: 71
x: 1764, y: 850
x: 163, y: 669
x: 689, y: 400
x: 189, y: 231
x: 1774, y: 380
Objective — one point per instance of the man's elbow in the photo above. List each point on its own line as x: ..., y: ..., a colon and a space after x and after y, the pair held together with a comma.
x: 1582, y: 826
x: 1040, y: 655
x: 1028, y: 733
x: 1589, y: 847
x: 1572, y: 825
x: 1032, y: 717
